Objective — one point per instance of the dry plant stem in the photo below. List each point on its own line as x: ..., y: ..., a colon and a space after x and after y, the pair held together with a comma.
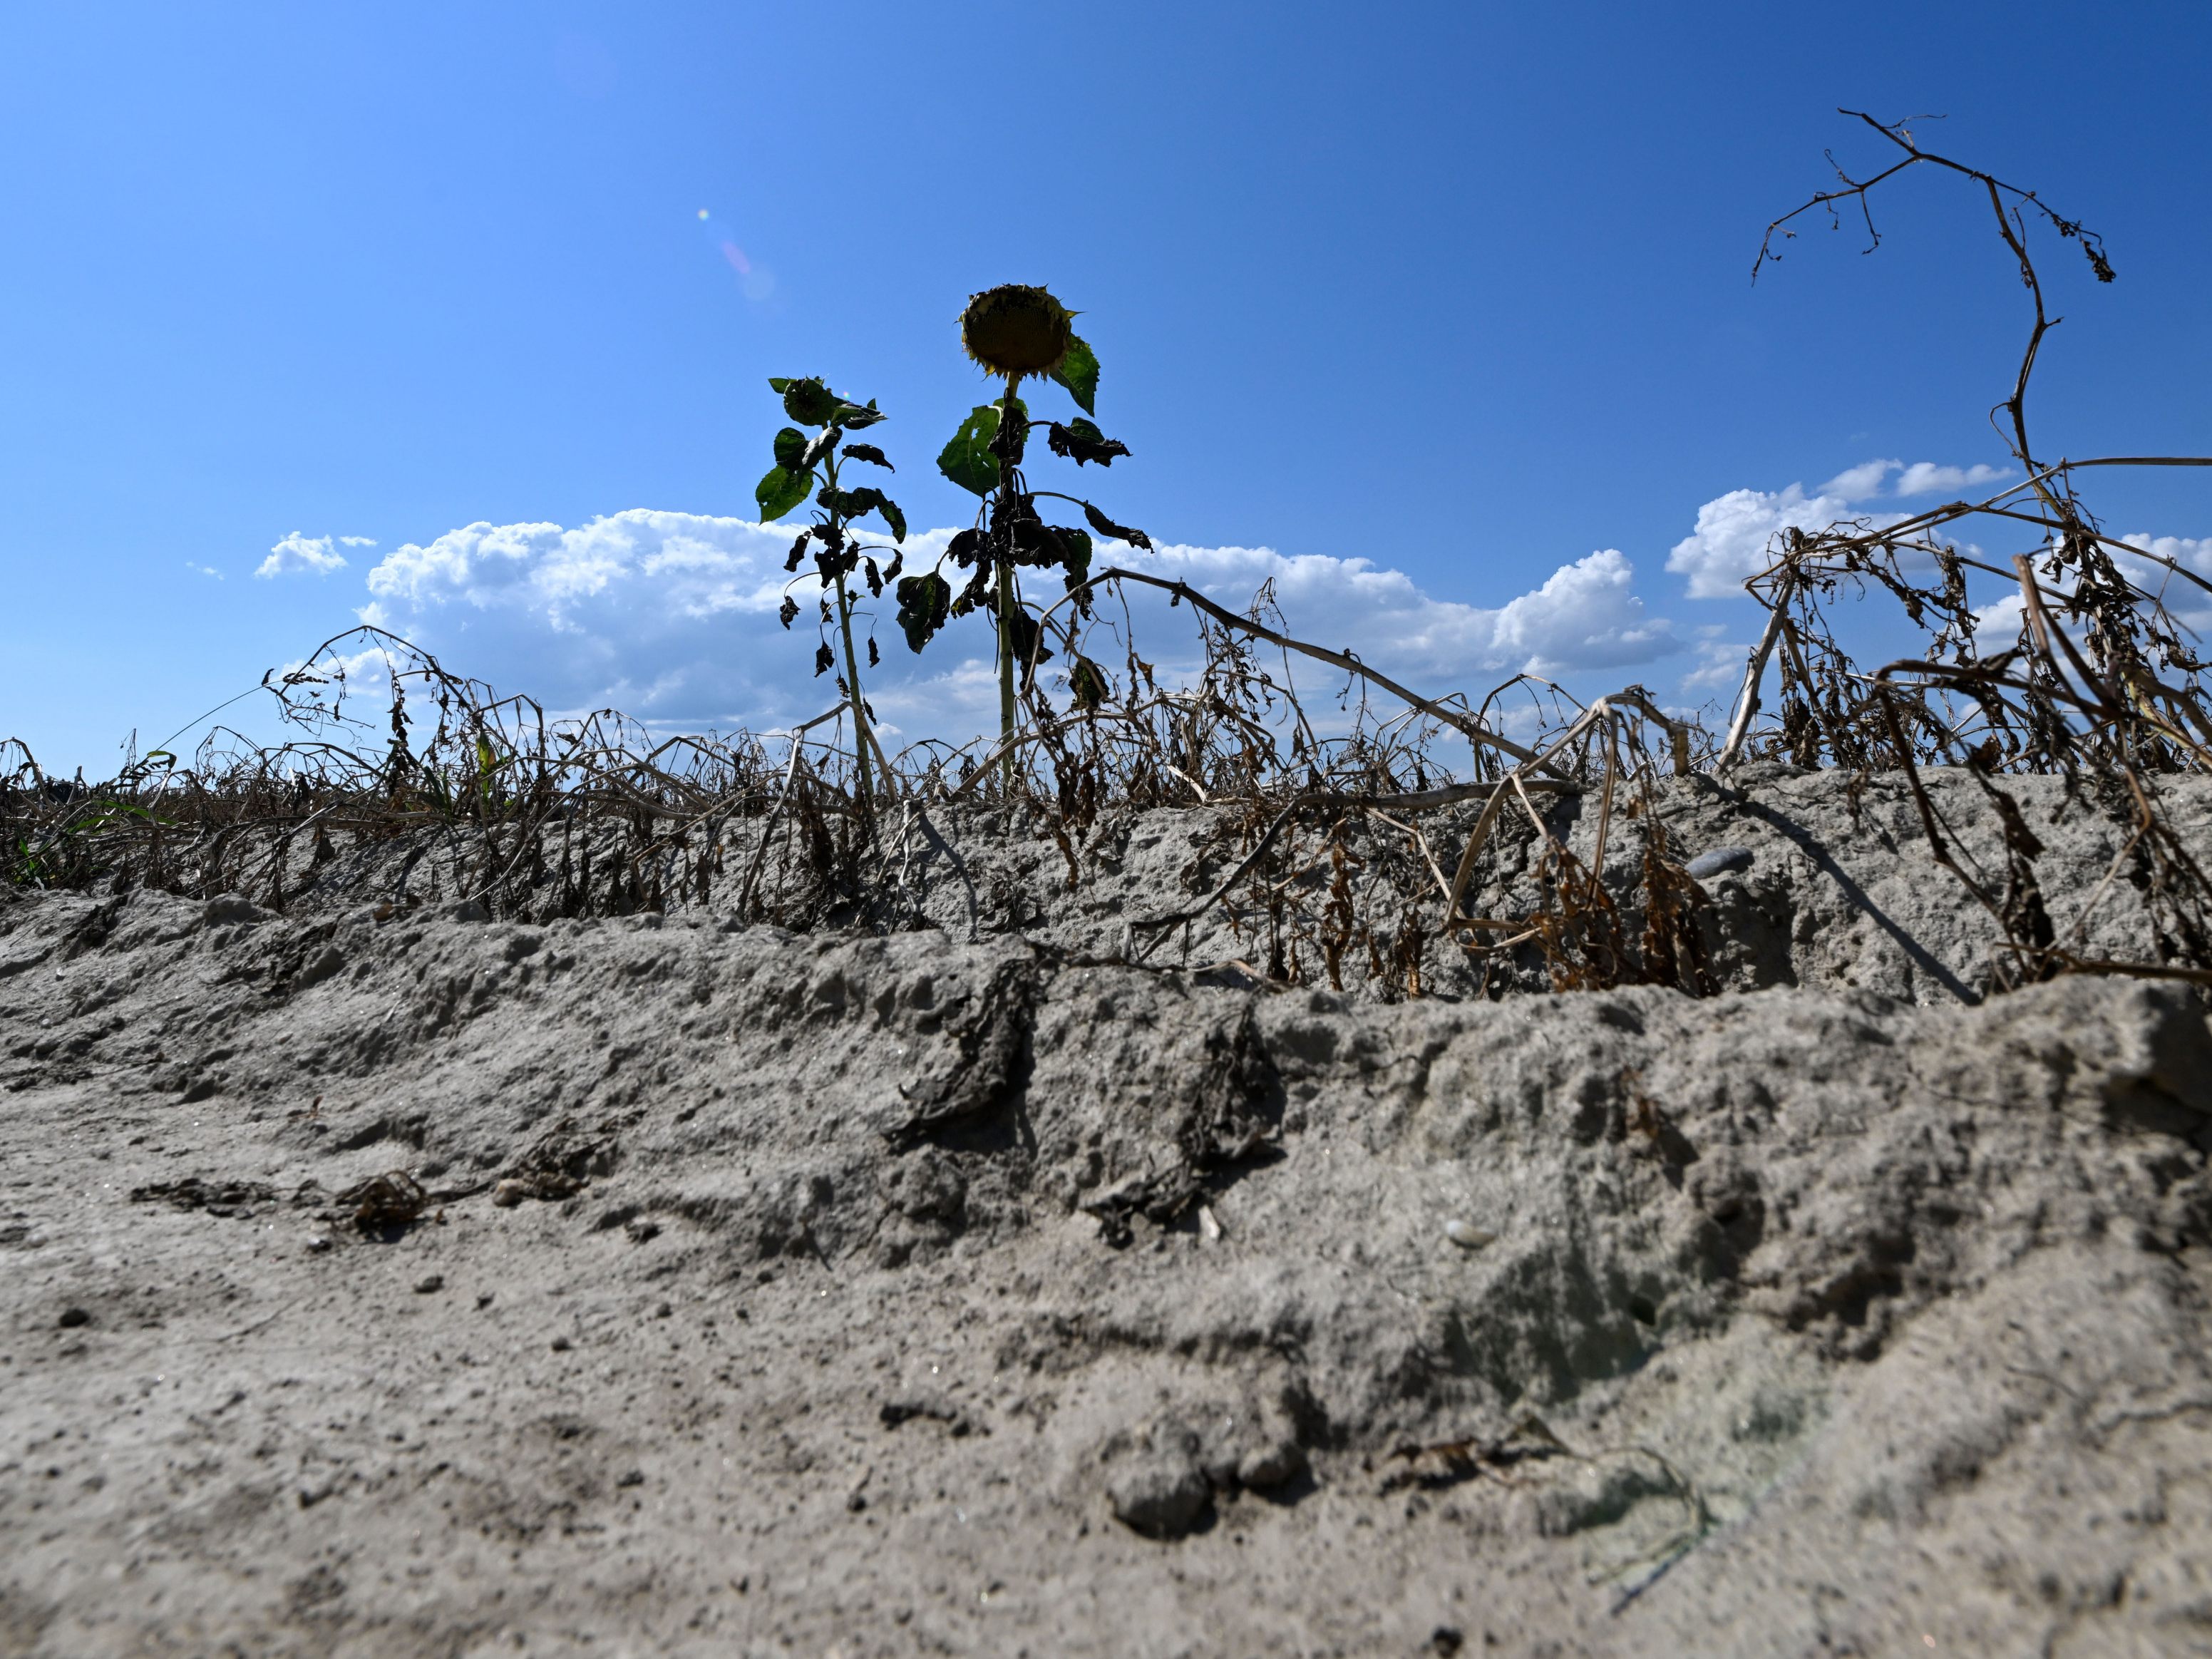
x: 861, y: 734
x: 1480, y: 832
x: 1746, y: 700
x: 1476, y: 732
x: 1007, y: 413
x: 2005, y: 210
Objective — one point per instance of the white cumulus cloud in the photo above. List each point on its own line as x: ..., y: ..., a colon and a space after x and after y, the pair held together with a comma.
x: 1926, y: 478
x: 672, y: 617
x: 1864, y: 481
x: 1857, y: 484
x: 314, y: 554
x: 1736, y: 531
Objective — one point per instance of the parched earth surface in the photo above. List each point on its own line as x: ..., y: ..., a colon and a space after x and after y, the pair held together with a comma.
x: 382, y: 1281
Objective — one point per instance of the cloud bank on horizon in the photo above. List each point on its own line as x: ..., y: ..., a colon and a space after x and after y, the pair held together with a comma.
x: 671, y: 617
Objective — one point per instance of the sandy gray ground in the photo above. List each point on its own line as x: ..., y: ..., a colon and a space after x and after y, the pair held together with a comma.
x: 965, y: 1289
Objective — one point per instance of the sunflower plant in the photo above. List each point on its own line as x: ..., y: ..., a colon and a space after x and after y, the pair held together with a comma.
x: 1017, y: 333
x: 809, y: 462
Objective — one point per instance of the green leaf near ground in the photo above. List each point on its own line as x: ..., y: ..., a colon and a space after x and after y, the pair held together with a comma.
x: 1079, y: 373
x: 779, y: 491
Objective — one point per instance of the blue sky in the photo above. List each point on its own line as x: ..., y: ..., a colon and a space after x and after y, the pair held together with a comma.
x: 1462, y: 291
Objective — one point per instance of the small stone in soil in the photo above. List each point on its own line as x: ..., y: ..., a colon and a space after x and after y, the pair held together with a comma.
x: 561, y: 1345
x: 429, y: 1284
x: 1162, y: 1496
x: 73, y: 1318
x: 318, y: 1243
x: 1467, y: 1236
x: 1720, y: 862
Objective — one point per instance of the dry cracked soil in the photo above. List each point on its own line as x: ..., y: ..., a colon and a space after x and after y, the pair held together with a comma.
x: 383, y: 1280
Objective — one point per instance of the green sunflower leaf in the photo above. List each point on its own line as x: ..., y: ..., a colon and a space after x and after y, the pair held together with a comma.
x: 779, y: 491
x: 968, y: 460
x: 810, y: 403
x: 1079, y: 373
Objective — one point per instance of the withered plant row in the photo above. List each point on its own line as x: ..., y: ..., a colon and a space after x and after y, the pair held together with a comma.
x: 1335, y: 859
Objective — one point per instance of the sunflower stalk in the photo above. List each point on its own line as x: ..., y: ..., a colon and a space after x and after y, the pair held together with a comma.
x: 1016, y: 333
x: 837, y: 552
x: 1009, y: 714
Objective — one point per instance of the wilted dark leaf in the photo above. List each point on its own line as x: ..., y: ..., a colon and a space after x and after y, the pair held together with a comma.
x: 824, y: 662
x: 870, y: 454
x: 1079, y: 373
x: 966, y: 548
x: 825, y: 441
x: 1023, y: 629
x: 836, y: 559
x: 875, y: 577
x: 1087, y: 684
x: 1081, y: 441
x: 1075, y: 552
x: 898, y: 563
x: 977, y: 592
x: 790, y: 612
x: 1115, y: 532
x: 857, y: 503
x: 875, y: 659
x: 1035, y: 543
x: 1008, y: 443
x: 852, y: 418
x: 798, y: 550
x: 923, y: 602
x: 779, y: 491
x: 791, y: 450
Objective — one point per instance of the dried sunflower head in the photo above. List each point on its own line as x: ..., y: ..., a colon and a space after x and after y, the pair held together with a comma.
x: 1012, y: 330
